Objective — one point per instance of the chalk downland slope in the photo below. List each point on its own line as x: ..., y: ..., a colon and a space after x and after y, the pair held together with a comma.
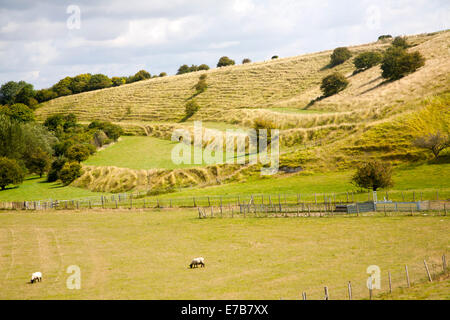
x: 372, y: 118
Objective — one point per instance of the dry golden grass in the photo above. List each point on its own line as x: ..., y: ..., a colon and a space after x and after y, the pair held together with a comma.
x: 289, y: 82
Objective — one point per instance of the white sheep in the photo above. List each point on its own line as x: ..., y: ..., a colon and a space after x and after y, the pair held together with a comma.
x: 36, y: 277
x: 196, y: 262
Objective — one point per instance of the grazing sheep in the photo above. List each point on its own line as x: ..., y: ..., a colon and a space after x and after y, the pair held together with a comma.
x: 36, y: 277
x: 196, y: 262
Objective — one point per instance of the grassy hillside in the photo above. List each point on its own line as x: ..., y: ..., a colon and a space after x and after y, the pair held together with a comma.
x: 372, y: 118
x: 282, y: 83
x: 145, y: 254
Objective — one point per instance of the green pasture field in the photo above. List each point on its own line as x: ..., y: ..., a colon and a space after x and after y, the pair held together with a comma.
x: 138, y: 254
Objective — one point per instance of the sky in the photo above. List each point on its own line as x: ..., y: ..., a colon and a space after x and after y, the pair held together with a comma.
x: 43, y: 41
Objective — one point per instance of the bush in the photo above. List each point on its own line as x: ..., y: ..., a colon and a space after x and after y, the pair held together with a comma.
x: 99, y: 138
x: 113, y: 131
x: 333, y: 84
x: 45, y: 95
x: 78, y: 152
x: 99, y: 81
x: 400, y: 42
x: 10, y: 172
x: 18, y: 112
x: 70, y: 172
x: 367, y: 60
x: 163, y: 74
x: 246, y: 60
x: 118, y: 81
x: 225, y: 61
x: 384, y: 37
x: 201, y: 85
x: 373, y: 175
x: 397, y: 63
x: 190, y: 109
x: 141, y: 75
x: 274, y: 57
x: 57, y: 165
x: 263, y: 124
x: 203, y: 67
x: 339, y: 56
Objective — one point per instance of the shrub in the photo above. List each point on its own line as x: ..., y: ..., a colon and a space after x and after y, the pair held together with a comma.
x: 274, y: 57
x: 435, y: 142
x: 99, y: 138
x: 113, y: 131
x: 397, y: 63
x: 45, y: 95
x: 333, y: 84
x: 201, y: 85
x: 18, y: 112
x: 141, y: 75
x: 225, y: 61
x: 261, y: 123
x: 339, y: 56
x: 400, y: 42
x: 78, y: 152
x: 80, y: 83
x: 70, y: 172
x: 62, y: 87
x: 203, y: 67
x: 190, y: 109
x: 246, y: 60
x: 118, y: 81
x: 99, y: 81
x: 163, y: 74
x: 57, y: 165
x: 367, y: 60
x: 373, y: 175
x: 10, y: 172
x: 183, y: 69
x: 384, y: 37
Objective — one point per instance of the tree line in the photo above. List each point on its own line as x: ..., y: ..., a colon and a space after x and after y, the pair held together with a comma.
x: 55, y: 148
x: 13, y: 92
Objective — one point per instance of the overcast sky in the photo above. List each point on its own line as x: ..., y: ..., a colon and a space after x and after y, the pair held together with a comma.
x: 41, y: 41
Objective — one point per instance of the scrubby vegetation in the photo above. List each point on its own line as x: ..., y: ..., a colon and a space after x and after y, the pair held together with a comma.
x: 225, y: 61
x: 21, y: 92
x: 333, y: 84
x: 397, y: 63
x: 367, y: 60
x: 373, y: 175
x: 10, y: 172
x: 339, y: 56
x: 193, y: 68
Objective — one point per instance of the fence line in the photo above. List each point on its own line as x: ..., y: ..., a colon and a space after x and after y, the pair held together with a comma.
x: 400, y: 276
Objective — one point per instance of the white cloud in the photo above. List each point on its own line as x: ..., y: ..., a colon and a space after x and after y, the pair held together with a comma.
x: 120, y: 37
x: 223, y: 45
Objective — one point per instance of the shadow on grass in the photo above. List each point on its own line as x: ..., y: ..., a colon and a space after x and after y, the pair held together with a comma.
x: 9, y: 188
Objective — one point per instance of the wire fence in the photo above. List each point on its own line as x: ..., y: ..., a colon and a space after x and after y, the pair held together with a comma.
x: 382, y: 282
x: 326, y: 202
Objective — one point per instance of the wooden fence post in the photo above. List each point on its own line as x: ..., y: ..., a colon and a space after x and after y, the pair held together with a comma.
x: 304, y: 295
x: 349, y: 290
x: 194, y: 202
x: 390, y: 282
x: 407, y: 276
x: 428, y: 271
x: 327, y: 297
x: 444, y: 263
